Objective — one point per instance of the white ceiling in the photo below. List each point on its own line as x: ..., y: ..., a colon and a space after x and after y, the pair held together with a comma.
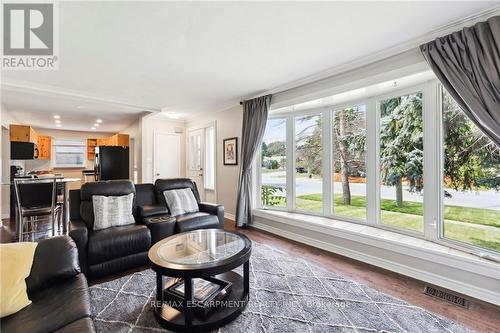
x: 195, y: 57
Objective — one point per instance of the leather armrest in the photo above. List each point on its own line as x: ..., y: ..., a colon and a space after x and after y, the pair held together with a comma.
x: 55, y: 259
x: 160, y: 226
x: 213, y: 209
x: 151, y: 210
x: 78, y: 231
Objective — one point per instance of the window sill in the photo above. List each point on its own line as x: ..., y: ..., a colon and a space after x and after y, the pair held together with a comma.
x: 388, y: 240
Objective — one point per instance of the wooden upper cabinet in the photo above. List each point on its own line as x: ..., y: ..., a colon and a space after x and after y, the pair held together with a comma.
x: 23, y: 133
x: 115, y: 140
x: 120, y: 140
x: 44, y: 147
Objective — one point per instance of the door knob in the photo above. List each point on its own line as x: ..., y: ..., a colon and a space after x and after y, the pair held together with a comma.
x: 157, y: 174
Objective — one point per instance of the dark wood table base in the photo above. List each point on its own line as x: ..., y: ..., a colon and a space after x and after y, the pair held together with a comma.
x: 184, y: 321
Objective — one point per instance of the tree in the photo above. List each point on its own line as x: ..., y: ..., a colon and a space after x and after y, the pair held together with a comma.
x: 350, y: 140
x: 401, y: 143
x: 309, y: 145
x: 276, y: 148
x: 471, y: 159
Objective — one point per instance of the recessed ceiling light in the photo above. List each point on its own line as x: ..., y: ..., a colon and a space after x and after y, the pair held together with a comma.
x: 57, y: 116
x: 93, y: 128
x: 99, y: 121
x: 58, y: 125
x: 58, y: 121
x: 96, y: 125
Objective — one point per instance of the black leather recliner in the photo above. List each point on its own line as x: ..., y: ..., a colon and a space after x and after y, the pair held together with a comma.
x: 103, y: 252
x: 58, y: 291
x: 154, y: 205
x: 115, y: 249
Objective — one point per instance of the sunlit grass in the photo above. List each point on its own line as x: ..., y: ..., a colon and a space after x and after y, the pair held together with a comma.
x: 410, y: 216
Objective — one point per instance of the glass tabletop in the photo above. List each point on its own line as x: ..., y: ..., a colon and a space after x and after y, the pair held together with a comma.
x: 200, y: 247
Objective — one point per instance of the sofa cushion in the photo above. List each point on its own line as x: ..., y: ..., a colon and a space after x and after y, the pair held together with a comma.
x: 17, y: 260
x: 193, y: 221
x: 117, y: 242
x: 45, y: 270
x: 52, y: 308
x: 112, y: 211
x: 162, y: 185
x: 105, y: 188
x: 181, y: 201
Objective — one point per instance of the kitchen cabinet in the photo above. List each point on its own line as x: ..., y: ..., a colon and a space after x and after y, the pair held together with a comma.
x: 23, y: 133
x: 44, y: 145
x: 116, y: 140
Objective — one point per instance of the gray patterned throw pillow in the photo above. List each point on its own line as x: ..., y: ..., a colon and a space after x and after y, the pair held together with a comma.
x: 112, y: 211
x: 180, y: 201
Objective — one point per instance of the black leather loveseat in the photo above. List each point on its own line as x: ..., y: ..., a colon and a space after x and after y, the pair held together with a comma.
x: 103, y: 252
x: 58, y: 291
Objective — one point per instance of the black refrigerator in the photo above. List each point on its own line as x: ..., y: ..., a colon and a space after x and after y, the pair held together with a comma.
x: 111, y: 162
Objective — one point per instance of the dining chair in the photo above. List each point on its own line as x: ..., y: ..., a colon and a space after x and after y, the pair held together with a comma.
x: 36, y: 198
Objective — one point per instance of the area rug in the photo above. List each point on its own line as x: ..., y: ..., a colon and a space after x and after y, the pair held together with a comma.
x: 287, y: 294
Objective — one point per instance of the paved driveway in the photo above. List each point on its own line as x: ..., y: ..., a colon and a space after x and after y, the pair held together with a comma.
x: 484, y: 199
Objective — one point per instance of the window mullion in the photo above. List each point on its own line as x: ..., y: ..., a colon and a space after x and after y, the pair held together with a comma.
x: 290, y: 163
x: 372, y: 163
x: 432, y: 186
x: 327, y: 162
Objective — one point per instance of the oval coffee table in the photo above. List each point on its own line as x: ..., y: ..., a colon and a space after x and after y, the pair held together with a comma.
x: 208, y: 253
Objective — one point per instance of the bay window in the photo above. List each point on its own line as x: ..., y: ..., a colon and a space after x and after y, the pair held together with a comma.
x: 273, y: 164
x: 349, y: 162
x: 399, y: 155
x: 308, y: 163
x: 401, y: 162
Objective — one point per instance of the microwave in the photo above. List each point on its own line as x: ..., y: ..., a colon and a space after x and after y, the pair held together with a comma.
x: 23, y: 150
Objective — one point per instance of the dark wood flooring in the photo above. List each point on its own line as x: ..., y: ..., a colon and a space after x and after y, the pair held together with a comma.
x: 481, y: 316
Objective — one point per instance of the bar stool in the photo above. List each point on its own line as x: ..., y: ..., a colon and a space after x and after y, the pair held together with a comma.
x: 36, y: 198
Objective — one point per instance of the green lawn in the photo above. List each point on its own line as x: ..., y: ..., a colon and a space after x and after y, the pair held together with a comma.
x: 410, y: 217
x: 455, y: 213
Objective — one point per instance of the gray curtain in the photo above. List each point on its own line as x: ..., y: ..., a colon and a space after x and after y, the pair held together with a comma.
x: 254, y: 125
x: 467, y: 63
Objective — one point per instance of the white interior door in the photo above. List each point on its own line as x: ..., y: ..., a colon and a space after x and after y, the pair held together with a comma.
x: 167, y: 156
x: 196, y: 158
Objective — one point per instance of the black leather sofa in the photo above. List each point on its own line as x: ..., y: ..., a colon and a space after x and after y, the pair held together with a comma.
x: 103, y: 252
x: 58, y: 291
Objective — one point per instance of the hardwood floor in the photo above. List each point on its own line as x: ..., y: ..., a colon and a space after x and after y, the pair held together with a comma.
x: 481, y: 316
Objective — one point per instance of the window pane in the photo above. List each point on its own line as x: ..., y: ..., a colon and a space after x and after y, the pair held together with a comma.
x: 273, y: 164
x: 308, y: 164
x: 349, y: 187
x: 401, y: 162
x: 69, y: 152
x: 471, y: 180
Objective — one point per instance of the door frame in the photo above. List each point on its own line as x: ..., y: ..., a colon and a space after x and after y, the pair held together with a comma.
x: 203, y: 126
x: 155, y: 133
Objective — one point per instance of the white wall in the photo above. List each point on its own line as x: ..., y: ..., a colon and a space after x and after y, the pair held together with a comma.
x: 228, y: 123
x: 6, y: 119
x: 157, y: 123
x: 134, y: 131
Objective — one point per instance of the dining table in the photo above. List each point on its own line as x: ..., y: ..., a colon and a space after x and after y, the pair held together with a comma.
x: 63, y: 181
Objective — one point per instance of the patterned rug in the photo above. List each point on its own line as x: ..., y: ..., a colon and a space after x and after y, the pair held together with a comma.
x: 287, y: 295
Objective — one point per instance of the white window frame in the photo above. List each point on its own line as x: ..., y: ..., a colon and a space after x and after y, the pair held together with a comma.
x: 210, y: 159
x: 433, y: 217
x: 82, y: 144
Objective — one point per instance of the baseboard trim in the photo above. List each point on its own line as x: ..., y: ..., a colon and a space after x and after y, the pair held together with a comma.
x: 464, y: 288
x: 230, y: 216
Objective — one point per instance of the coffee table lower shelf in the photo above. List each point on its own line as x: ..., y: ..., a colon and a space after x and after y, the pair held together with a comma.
x: 174, y: 320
